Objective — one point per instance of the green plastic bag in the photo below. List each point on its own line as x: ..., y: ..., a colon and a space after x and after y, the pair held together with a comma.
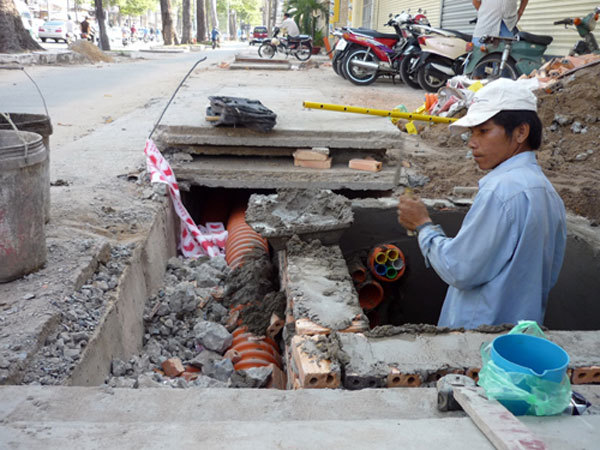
x: 543, y: 398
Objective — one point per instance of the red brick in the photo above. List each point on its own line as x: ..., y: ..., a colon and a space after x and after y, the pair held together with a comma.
x: 313, y: 164
x: 173, y: 367
x: 312, y: 155
x: 278, y: 379
x: 369, y: 165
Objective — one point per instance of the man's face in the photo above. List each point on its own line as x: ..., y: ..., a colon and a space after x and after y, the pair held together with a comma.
x: 491, y: 146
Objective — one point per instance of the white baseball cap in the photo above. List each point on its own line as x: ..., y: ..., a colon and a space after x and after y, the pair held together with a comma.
x: 502, y: 94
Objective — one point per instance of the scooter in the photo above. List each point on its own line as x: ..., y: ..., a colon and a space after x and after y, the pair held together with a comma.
x: 298, y: 46
x: 584, y: 27
x: 506, y: 57
x: 443, y: 54
x: 375, y: 54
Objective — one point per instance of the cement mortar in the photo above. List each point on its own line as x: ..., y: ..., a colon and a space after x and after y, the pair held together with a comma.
x: 320, y: 284
x: 296, y: 211
x: 326, y: 347
x: 421, y: 328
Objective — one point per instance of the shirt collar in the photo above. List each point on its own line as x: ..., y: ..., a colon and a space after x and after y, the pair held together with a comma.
x: 518, y: 160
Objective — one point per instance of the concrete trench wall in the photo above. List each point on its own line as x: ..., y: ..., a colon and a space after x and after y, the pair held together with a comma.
x: 120, y: 332
x: 419, y: 294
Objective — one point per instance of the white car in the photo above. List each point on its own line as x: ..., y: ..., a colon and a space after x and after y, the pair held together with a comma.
x: 59, y: 30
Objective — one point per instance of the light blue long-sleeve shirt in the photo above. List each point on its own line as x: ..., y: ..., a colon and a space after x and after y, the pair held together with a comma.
x: 508, y: 253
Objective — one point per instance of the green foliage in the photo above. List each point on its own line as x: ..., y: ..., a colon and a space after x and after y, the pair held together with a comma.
x: 135, y: 7
x: 305, y: 14
x: 248, y: 11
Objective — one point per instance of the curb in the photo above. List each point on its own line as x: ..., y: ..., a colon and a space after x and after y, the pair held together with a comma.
x: 43, y: 58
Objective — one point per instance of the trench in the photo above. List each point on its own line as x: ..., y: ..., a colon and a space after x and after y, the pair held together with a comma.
x: 415, y: 298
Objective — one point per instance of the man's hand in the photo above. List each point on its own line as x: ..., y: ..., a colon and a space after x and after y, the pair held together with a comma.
x: 412, y: 212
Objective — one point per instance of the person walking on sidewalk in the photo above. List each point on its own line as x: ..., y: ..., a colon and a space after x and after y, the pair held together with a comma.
x: 508, y: 252
x: 497, y: 18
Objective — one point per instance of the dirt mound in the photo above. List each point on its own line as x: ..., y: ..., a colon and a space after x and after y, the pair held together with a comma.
x: 90, y: 51
x: 569, y: 156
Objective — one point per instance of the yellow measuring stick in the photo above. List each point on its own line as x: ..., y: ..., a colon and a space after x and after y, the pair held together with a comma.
x: 378, y: 112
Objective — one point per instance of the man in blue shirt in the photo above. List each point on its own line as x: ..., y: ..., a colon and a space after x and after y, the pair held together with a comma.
x: 509, y: 250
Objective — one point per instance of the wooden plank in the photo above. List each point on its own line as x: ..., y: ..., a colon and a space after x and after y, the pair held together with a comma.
x: 313, y: 373
x: 504, y: 430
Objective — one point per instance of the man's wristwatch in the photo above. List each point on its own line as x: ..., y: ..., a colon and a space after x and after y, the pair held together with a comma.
x: 420, y: 227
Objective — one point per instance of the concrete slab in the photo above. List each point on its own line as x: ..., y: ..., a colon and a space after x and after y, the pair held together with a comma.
x: 274, y: 173
x: 76, y: 418
x: 296, y: 127
x: 428, y: 353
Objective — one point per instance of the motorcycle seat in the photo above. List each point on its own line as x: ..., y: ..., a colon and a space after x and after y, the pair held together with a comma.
x: 300, y: 37
x: 535, y: 38
x: 460, y: 34
x: 373, y: 33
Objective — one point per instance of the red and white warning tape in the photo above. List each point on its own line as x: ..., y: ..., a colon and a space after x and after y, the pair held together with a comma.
x: 195, y: 240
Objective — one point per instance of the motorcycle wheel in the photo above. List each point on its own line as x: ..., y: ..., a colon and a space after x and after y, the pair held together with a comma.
x: 410, y: 79
x: 355, y: 74
x: 266, y: 50
x: 429, y: 80
x: 303, y: 52
x: 489, y: 67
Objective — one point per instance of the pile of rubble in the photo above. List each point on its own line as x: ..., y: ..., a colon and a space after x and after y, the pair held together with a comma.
x: 189, y: 325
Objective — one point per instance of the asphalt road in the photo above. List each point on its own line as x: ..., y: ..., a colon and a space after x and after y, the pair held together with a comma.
x: 81, y: 98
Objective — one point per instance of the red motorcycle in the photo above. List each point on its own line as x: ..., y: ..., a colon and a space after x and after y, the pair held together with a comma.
x: 366, y: 55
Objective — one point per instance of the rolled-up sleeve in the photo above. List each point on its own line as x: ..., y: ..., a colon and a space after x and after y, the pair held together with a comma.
x: 482, y: 247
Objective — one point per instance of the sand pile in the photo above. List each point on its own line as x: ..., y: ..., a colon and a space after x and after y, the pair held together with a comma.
x: 90, y: 51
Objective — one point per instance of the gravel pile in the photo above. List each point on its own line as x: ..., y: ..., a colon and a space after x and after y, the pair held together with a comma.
x: 80, y: 314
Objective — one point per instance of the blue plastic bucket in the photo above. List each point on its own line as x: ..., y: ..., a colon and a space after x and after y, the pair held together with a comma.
x: 530, y: 355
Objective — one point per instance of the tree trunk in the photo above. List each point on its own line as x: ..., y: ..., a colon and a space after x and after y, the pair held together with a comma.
x: 104, y: 43
x: 167, y: 22
x: 14, y: 38
x: 200, y: 21
x: 213, y: 14
x: 273, y: 17
x: 186, y: 31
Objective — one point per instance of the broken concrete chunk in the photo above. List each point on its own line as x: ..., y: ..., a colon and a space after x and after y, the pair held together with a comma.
x: 183, y: 300
x: 119, y: 368
x: 123, y: 382
x: 213, y: 336
x: 205, y: 358
x: 220, y: 370
x: 207, y: 382
x: 146, y: 380
x: 255, y: 377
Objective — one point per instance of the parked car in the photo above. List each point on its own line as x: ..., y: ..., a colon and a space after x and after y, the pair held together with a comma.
x: 59, y: 30
x: 259, y: 34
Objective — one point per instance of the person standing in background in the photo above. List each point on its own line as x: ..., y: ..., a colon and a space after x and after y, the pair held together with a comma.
x: 497, y: 18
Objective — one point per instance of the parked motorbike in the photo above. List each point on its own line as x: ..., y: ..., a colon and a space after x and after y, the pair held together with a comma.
x: 370, y: 54
x: 443, y: 54
x: 298, y: 46
x: 506, y: 57
x: 584, y: 27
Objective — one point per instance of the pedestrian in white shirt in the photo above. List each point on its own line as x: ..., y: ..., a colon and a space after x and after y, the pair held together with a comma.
x: 289, y: 25
x: 507, y: 255
x: 497, y: 17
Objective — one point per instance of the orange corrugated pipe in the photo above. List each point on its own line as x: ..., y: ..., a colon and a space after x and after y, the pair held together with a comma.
x: 242, y: 240
x: 254, y: 351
